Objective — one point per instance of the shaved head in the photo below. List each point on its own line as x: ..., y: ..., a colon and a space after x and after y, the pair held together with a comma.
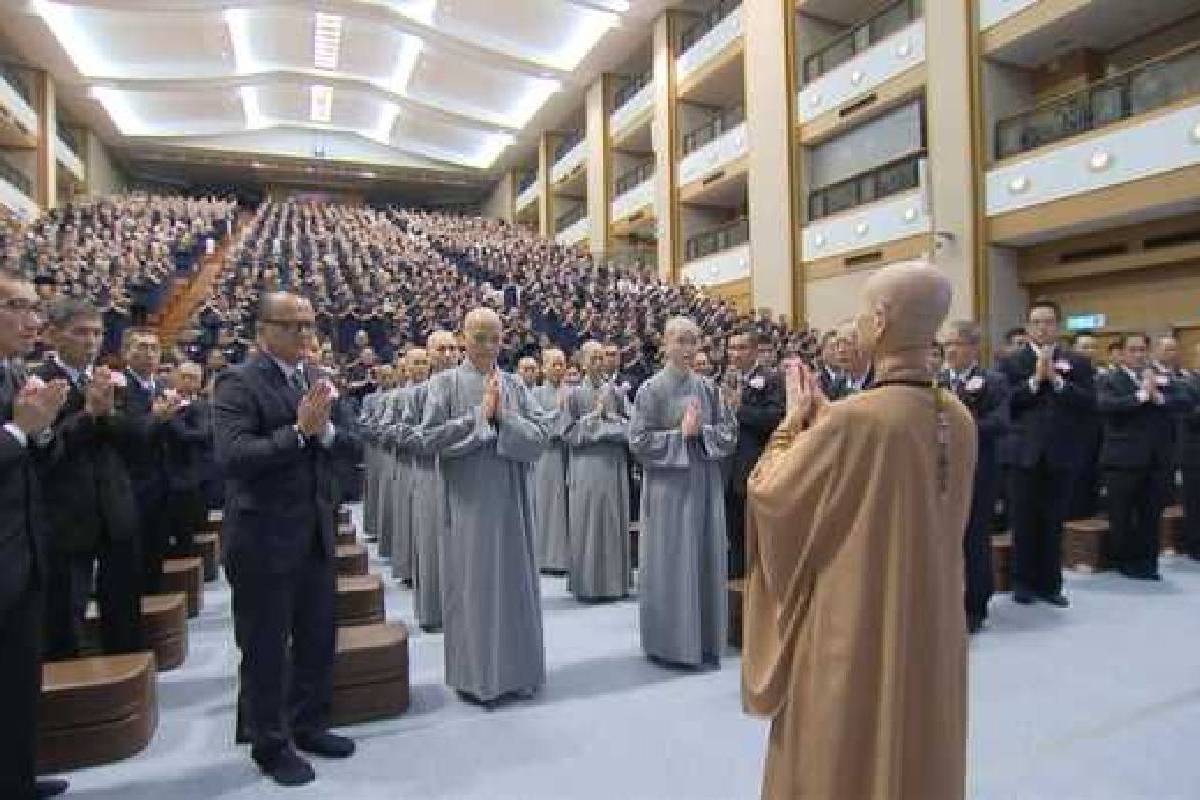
x: 443, y: 350
x: 904, y: 305
x: 481, y: 330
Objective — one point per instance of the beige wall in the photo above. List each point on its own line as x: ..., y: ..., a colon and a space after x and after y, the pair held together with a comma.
x: 102, y: 175
x: 1008, y: 298
x: 596, y: 132
x: 663, y: 135
x: 499, y: 204
x: 831, y: 300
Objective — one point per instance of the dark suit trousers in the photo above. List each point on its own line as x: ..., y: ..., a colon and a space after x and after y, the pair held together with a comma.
x: 1085, y: 495
x: 977, y: 546
x: 284, y: 626
x: 186, y: 511
x: 152, y: 516
x: 118, y: 596
x: 1191, y: 510
x: 20, y: 687
x: 1039, y: 496
x: 1135, y: 501
x: 735, y: 521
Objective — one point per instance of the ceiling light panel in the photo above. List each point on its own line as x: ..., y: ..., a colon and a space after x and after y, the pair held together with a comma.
x: 327, y: 40
x: 321, y: 104
x: 505, y: 98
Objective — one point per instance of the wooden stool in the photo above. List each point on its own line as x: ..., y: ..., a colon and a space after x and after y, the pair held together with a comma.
x: 370, y: 673
x: 351, y: 559
x: 736, y: 591
x: 1170, y: 530
x: 95, y: 710
x: 1001, y: 562
x: 185, y: 575
x: 359, y: 600
x: 1084, y: 544
x: 346, y: 535
x: 343, y: 516
x: 164, y: 626
x: 208, y: 547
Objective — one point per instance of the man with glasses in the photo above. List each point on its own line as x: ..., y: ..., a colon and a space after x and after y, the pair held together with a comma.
x: 26, y: 412
x: 1052, y: 393
x: 277, y: 444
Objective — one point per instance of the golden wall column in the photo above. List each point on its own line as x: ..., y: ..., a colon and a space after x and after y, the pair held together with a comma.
x: 954, y: 157
x: 599, y: 165
x: 545, y: 201
x: 46, y: 172
x: 663, y: 137
x: 770, y: 122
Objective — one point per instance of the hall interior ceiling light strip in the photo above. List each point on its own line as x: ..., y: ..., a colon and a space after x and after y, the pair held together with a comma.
x: 321, y: 109
x: 327, y: 40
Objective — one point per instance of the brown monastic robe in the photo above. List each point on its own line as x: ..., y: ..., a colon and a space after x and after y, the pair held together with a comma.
x: 855, y: 642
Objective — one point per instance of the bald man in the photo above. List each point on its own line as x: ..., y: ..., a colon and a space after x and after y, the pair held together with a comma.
x: 680, y: 430
x: 854, y: 643
x: 550, y: 473
x: 390, y: 411
x: 487, y: 433
x: 527, y: 371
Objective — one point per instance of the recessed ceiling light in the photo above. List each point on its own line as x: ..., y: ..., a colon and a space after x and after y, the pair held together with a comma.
x: 321, y: 106
x: 1196, y: 133
x: 327, y: 40
x: 819, y: 240
x: 1100, y: 161
x: 910, y: 214
x: 1018, y: 184
x: 856, y: 76
x: 862, y: 228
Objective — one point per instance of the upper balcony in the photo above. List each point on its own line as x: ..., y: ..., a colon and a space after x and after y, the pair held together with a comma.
x: 1127, y: 143
x: 529, y: 189
x: 633, y: 104
x: 702, y: 45
x: 633, y: 192
x: 18, y: 120
x: 714, y: 150
x: 718, y: 255
x: 16, y: 191
x: 66, y: 149
x: 864, y: 65
x: 569, y: 155
x: 881, y: 205
x: 573, y: 226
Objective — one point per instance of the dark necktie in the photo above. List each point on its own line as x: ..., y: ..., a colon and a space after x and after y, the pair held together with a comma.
x: 297, y: 382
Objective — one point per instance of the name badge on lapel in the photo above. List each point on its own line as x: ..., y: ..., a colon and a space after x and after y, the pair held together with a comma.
x: 975, y: 384
x: 758, y: 382
x: 1062, y: 365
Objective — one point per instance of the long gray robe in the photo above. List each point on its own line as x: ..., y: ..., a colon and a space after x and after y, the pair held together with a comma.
x: 389, y: 466
x: 599, y: 491
x: 550, y: 499
x: 371, y: 460
x: 398, y: 437
x: 682, y: 566
x: 425, y: 517
x: 491, y: 605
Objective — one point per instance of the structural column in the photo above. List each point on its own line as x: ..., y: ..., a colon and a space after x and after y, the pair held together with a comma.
x: 545, y: 201
x: 663, y: 138
x: 954, y: 154
x: 599, y: 164
x: 770, y: 122
x: 46, y: 171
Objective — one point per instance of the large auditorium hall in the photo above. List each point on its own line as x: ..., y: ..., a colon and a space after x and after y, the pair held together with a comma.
x: 598, y: 399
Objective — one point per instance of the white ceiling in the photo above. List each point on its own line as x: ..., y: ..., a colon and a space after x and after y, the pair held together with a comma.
x: 453, y: 85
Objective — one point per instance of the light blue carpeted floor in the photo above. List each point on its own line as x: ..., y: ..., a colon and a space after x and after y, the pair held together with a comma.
x: 1099, y: 702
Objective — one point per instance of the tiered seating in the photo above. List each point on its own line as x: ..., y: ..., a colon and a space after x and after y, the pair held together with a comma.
x: 370, y: 675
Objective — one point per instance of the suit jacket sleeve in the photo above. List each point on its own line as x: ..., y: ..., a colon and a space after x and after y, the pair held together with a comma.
x: 1112, y: 395
x: 241, y: 450
x: 994, y: 417
x: 763, y: 418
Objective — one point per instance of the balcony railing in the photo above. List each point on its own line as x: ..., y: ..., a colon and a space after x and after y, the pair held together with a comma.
x: 1138, y: 90
x: 716, y: 240
x: 17, y: 81
x: 17, y: 178
x: 570, y: 140
x: 631, y: 85
x: 723, y: 121
x: 69, y: 137
x: 883, y: 181
x: 633, y: 178
x: 861, y: 37
x: 525, y: 181
x: 568, y: 219
x: 706, y: 23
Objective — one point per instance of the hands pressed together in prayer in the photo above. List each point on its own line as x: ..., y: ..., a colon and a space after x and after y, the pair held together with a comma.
x: 690, y: 425
x: 805, y: 400
x: 312, y: 415
x: 37, y: 405
x: 491, y: 397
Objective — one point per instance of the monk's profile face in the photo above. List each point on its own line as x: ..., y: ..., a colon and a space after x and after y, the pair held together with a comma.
x: 442, y: 351
x: 527, y: 369
x: 417, y: 363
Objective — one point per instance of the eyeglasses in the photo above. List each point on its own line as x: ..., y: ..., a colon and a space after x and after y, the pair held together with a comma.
x: 291, y: 325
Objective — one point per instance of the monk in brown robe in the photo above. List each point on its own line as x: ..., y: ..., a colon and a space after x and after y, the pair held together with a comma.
x: 855, y: 641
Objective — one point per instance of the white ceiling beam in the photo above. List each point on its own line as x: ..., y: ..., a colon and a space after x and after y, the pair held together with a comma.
x: 303, y: 77
x: 373, y: 11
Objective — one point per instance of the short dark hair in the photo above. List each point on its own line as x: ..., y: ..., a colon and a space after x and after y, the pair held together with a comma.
x: 1044, y: 302
x: 1082, y: 334
x: 1013, y: 333
x: 1125, y: 337
x: 747, y: 331
x: 65, y: 310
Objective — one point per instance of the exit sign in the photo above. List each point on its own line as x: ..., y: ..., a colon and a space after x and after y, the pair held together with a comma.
x: 1086, y: 322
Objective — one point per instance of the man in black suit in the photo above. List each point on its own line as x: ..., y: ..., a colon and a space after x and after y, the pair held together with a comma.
x: 857, y: 373
x: 829, y: 375
x: 1051, y: 392
x: 1138, y: 405
x: 277, y: 446
x: 89, y: 497
x: 985, y: 394
x: 26, y: 414
x: 1189, y: 458
x: 759, y: 402
x: 187, y: 438
x: 1085, y: 496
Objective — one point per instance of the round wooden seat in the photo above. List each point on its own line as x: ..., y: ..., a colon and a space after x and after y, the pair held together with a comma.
x: 1002, y: 561
x: 370, y: 673
x: 185, y: 575
x: 359, y: 600
x: 351, y: 559
x: 208, y: 546
x: 164, y: 624
x: 346, y: 535
x: 1170, y: 530
x: 1084, y: 544
x: 95, y: 710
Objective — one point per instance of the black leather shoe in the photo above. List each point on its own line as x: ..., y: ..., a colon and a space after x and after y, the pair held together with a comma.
x: 49, y: 787
x: 287, y: 768
x: 1059, y: 600
x: 1143, y: 576
x: 324, y: 743
x: 1023, y: 596
x: 974, y: 624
